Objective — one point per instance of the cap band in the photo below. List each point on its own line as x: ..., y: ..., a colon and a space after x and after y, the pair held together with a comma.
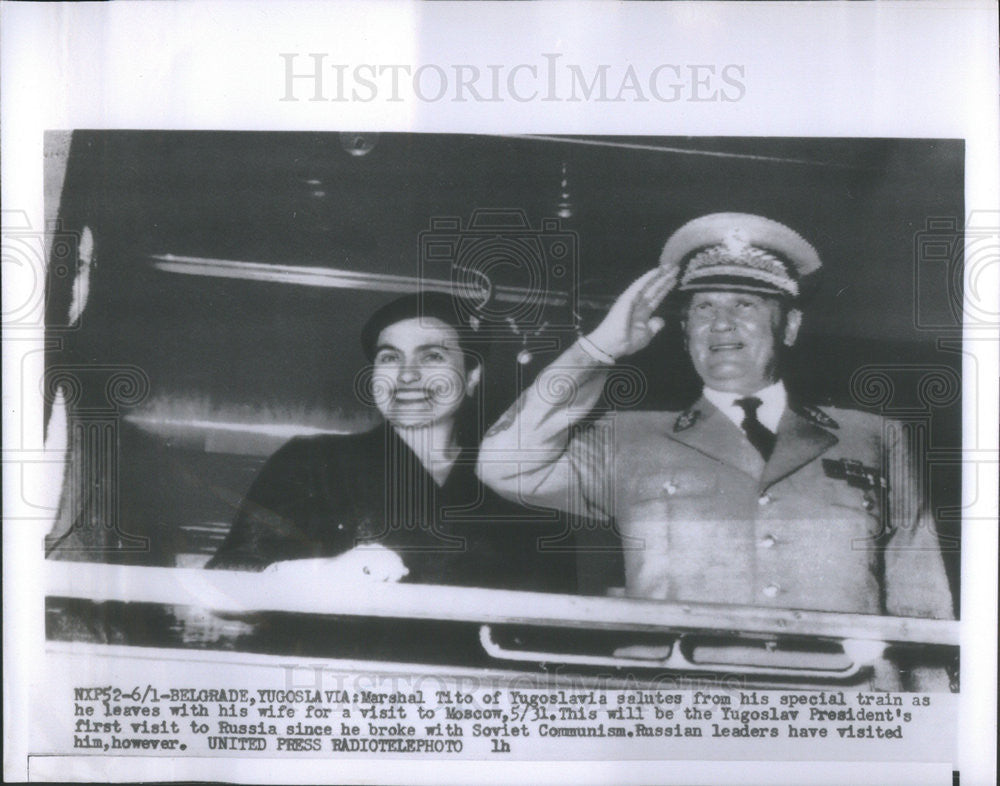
x: 742, y: 252
x: 754, y: 267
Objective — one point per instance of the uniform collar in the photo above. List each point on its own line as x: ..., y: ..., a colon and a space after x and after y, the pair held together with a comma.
x: 704, y: 428
x: 774, y: 400
x: 800, y: 439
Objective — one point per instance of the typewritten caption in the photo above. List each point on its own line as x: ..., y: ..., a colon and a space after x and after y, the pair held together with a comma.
x: 146, y: 719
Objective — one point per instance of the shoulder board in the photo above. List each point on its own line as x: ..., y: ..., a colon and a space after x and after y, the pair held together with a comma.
x: 817, y: 416
x: 687, y: 419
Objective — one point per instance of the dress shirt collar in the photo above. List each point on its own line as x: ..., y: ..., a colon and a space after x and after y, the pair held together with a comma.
x: 773, y: 398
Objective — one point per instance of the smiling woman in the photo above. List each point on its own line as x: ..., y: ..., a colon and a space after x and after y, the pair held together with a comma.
x: 400, y: 501
x: 420, y: 374
x: 424, y: 370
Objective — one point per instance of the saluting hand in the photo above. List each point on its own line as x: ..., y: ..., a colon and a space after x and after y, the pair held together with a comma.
x: 630, y: 324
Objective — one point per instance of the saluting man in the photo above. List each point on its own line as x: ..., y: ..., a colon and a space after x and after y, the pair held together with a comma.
x: 743, y: 498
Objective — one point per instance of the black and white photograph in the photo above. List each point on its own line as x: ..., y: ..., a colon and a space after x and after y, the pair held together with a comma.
x: 388, y: 446
x: 689, y: 370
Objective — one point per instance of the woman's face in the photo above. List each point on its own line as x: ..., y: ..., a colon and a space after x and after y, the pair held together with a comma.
x: 420, y: 378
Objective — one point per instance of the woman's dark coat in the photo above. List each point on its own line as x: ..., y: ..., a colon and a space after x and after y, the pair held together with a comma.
x: 321, y: 496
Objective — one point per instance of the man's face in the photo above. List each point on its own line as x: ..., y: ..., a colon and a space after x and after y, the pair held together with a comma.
x: 734, y: 339
x: 420, y: 376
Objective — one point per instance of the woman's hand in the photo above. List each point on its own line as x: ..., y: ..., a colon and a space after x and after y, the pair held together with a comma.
x: 364, y: 563
x: 630, y: 324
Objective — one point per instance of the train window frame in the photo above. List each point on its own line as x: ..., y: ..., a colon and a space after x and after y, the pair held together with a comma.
x: 217, y: 273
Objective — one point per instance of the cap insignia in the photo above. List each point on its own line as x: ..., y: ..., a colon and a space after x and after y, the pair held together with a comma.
x: 736, y: 242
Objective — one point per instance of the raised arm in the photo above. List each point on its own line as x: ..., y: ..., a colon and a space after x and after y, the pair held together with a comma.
x: 536, y: 453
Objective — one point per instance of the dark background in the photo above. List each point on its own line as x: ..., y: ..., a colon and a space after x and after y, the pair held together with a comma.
x: 881, y: 333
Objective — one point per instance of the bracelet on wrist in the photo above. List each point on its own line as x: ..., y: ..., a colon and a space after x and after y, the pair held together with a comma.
x: 595, y: 352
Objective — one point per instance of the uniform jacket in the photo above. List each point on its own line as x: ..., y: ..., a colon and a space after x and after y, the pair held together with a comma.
x: 321, y: 496
x: 703, y: 518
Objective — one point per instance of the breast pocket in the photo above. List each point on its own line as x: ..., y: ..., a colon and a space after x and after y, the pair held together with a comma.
x: 690, y: 482
x: 863, y: 510
x: 840, y: 494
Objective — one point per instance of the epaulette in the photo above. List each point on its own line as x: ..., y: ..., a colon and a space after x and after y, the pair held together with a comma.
x: 817, y: 416
x: 687, y: 419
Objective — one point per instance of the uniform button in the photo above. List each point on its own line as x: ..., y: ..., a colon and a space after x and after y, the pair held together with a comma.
x: 867, y: 504
x: 771, y: 590
x: 669, y: 487
x: 764, y: 499
x: 767, y: 542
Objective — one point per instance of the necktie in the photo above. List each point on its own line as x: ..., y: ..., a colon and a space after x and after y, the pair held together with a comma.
x: 760, y: 436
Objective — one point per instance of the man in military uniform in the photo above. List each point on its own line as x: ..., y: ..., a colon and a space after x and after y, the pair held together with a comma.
x: 743, y: 498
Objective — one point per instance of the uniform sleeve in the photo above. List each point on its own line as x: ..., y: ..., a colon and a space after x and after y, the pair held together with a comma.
x: 915, y: 581
x: 916, y: 584
x: 267, y: 527
x: 543, y: 452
